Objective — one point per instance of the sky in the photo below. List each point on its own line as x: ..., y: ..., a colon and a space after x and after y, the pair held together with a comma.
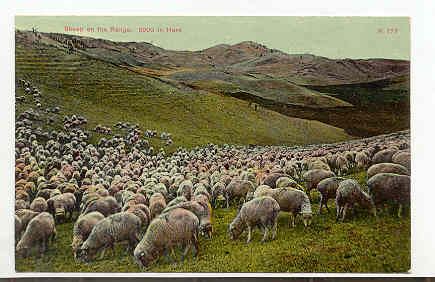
x: 332, y: 37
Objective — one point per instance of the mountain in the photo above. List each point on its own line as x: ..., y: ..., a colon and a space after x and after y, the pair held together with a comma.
x: 363, y: 97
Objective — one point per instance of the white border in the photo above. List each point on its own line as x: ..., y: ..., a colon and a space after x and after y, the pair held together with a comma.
x: 422, y: 99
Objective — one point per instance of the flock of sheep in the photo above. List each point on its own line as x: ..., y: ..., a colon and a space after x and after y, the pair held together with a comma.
x: 120, y: 190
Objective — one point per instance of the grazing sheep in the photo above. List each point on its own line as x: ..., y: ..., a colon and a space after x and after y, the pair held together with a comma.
x: 313, y: 177
x: 38, y: 232
x: 260, y: 212
x: 25, y: 216
x: 107, y: 206
x: 290, y: 200
x: 328, y: 188
x: 272, y: 178
x: 176, y: 227
x: 202, y: 210
x: 82, y: 228
x: 402, y: 158
x: 386, y: 168
x: 350, y: 192
x: 144, y: 216
x: 383, y: 156
x: 185, y: 189
x: 39, y: 205
x: 237, y: 189
x: 110, y: 230
x: 21, y: 204
x: 285, y: 182
x: 157, y: 204
x: 390, y: 187
x: 362, y: 160
x: 62, y: 204
x: 342, y: 165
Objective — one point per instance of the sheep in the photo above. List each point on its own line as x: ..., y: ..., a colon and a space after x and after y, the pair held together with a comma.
x: 107, y: 206
x: 185, y: 189
x: 21, y: 204
x: 383, y: 156
x: 202, y: 210
x: 272, y: 178
x: 402, y: 158
x: 25, y: 216
x: 386, y: 168
x: 342, y: 165
x: 39, y: 231
x: 39, y: 205
x: 62, y: 204
x: 285, y: 182
x: 385, y: 187
x: 313, y: 177
x: 348, y: 193
x: 328, y: 188
x: 142, y: 212
x: 157, y: 204
x: 290, y: 200
x: 237, y: 189
x: 361, y: 160
x: 82, y: 228
x: 178, y: 226
x: 260, y: 212
x: 110, y: 230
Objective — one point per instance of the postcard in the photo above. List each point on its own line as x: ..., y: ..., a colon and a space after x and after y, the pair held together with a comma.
x: 212, y: 144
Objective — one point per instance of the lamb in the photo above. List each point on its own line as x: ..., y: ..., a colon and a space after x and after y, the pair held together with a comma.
x: 178, y: 226
x: 313, y: 177
x: 39, y: 205
x: 260, y: 212
x: 348, y: 193
x: 237, y: 189
x: 82, y: 228
x: 290, y: 200
x: 39, y: 231
x: 328, y: 188
x: 110, y: 230
x: 157, y: 204
x: 385, y: 187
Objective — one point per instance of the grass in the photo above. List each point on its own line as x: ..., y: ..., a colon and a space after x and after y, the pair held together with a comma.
x: 361, y: 244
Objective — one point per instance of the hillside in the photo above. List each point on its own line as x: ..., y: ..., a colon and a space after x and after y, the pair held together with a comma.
x: 363, y: 97
x: 106, y: 93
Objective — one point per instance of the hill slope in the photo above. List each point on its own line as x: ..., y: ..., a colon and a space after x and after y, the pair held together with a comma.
x: 106, y: 93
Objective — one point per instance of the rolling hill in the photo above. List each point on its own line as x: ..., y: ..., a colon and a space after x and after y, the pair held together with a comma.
x: 244, y: 93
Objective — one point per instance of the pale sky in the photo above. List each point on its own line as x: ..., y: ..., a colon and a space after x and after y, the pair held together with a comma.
x: 332, y: 37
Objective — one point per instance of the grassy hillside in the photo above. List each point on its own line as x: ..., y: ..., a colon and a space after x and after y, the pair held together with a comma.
x: 361, y: 244
x: 105, y: 93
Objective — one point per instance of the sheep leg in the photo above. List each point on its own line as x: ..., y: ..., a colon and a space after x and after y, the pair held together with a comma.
x: 320, y: 204
x: 196, y: 245
x: 186, y: 251
x: 293, y: 220
x: 43, y: 247
x: 103, y: 253
x: 400, y: 211
x: 274, y: 228
x: 266, y: 232
x: 249, y: 234
x: 228, y: 203
x: 346, y: 206
x: 339, y: 209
